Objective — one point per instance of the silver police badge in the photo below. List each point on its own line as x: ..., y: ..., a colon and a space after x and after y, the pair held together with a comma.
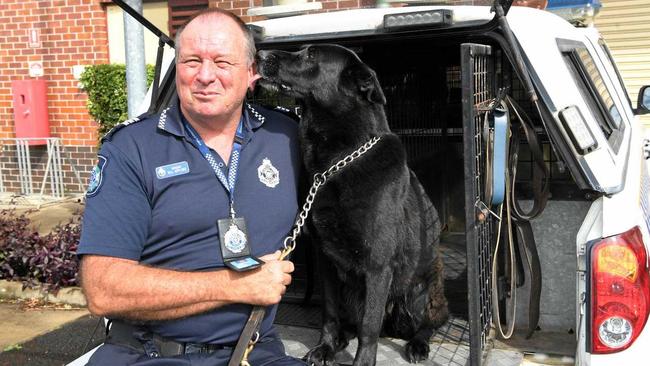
x: 235, y: 239
x: 268, y: 174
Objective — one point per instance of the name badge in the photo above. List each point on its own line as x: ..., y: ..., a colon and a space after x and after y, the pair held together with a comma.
x: 172, y: 170
x: 235, y: 247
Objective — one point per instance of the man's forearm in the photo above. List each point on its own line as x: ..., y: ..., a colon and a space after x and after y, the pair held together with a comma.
x: 122, y: 288
x: 168, y: 314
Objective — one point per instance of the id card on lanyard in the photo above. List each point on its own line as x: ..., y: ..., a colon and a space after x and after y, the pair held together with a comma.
x: 233, y: 237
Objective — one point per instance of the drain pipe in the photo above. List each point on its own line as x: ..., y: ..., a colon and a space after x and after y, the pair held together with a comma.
x: 136, y: 79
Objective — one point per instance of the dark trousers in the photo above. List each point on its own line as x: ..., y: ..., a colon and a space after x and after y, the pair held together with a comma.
x: 269, y: 351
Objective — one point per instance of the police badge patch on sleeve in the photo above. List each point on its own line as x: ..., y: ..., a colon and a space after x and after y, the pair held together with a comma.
x: 268, y: 174
x: 96, y: 176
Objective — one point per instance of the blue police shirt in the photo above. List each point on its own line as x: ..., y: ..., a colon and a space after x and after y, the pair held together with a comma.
x: 155, y: 199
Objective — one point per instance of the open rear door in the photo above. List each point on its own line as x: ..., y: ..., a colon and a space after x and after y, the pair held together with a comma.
x: 478, y: 87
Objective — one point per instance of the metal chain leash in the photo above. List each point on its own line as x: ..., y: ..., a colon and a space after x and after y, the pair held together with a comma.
x: 319, y: 180
x: 289, y: 243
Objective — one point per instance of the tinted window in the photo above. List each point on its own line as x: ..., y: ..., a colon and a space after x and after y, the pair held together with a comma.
x: 597, y: 80
x: 594, y: 91
x: 603, y: 45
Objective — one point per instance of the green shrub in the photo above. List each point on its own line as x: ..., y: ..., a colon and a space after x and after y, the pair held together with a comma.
x: 106, y: 88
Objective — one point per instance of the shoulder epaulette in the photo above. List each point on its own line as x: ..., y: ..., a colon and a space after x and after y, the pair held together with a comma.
x: 128, y: 122
x: 293, y: 114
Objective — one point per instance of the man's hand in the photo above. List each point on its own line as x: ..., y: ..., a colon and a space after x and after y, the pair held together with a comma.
x: 265, y: 285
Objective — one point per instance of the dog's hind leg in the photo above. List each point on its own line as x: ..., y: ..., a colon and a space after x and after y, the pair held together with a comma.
x: 437, y: 311
x: 372, y: 316
x: 435, y: 315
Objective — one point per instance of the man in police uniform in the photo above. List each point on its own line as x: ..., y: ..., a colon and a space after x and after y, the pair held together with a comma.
x: 210, y: 181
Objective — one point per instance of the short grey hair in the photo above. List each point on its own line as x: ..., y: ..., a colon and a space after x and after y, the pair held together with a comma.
x: 248, y: 35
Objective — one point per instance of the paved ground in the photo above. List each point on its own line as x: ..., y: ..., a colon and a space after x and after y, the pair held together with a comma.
x: 21, y: 322
x: 42, y: 336
x: 39, y: 335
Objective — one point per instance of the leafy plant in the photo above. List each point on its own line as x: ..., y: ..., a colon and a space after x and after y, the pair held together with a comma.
x: 26, y: 256
x: 107, y: 94
x: 13, y: 347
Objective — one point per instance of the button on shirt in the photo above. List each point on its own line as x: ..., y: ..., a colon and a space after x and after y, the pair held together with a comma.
x: 156, y: 200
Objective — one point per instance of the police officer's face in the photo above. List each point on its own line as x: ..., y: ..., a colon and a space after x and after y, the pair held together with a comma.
x: 213, y: 71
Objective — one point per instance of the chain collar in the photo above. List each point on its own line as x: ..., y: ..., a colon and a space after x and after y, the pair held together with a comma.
x: 319, y: 180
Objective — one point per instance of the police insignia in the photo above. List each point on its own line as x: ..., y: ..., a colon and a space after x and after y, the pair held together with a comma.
x: 235, y: 239
x: 96, y: 176
x: 268, y: 174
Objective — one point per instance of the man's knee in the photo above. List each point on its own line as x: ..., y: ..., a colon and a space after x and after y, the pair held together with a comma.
x: 270, y: 352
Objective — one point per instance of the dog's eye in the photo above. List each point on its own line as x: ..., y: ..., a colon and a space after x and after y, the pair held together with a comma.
x: 311, y: 54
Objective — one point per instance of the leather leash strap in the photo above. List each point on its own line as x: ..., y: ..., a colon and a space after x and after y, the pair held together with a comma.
x: 540, y: 188
x: 540, y: 181
x: 246, y: 340
x: 530, y: 258
x: 520, y: 247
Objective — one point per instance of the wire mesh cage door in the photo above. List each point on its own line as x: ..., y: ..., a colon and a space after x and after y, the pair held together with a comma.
x: 478, y: 86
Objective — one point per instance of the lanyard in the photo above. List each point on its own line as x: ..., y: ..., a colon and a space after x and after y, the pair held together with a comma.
x: 229, y: 182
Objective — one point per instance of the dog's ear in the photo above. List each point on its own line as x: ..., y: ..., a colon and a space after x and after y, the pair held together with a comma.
x: 368, y: 85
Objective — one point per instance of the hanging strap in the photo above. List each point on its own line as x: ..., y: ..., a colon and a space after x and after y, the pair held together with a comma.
x: 509, y: 251
x: 540, y: 182
x: 530, y: 258
x: 246, y: 340
x: 518, y: 230
x: 540, y: 188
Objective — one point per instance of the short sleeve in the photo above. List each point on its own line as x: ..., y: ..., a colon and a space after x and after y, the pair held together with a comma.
x: 117, y: 215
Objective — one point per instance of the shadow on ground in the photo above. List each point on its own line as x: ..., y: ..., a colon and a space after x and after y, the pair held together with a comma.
x: 59, y: 346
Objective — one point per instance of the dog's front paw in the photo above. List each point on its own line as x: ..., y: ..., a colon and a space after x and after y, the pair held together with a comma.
x: 321, y: 355
x: 417, y: 350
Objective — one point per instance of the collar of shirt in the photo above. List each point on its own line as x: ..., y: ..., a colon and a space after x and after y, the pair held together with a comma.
x: 171, y: 121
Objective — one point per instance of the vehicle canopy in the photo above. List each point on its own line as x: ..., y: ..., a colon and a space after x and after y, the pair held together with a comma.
x: 567, y: 69
x: 561, y: 62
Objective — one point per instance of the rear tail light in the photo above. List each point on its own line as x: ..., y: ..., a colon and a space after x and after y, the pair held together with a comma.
x: 620, y: 291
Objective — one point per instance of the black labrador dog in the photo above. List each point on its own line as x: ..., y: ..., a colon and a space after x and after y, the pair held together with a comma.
x: 377, y: 232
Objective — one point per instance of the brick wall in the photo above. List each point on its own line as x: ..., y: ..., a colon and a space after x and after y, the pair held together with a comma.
x: 72, y: 32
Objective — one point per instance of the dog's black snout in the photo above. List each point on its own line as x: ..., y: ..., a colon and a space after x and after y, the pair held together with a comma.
x: 267, y: 63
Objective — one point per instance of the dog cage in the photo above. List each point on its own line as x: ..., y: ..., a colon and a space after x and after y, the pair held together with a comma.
x: 422, y: 100
x: 434, y: 102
